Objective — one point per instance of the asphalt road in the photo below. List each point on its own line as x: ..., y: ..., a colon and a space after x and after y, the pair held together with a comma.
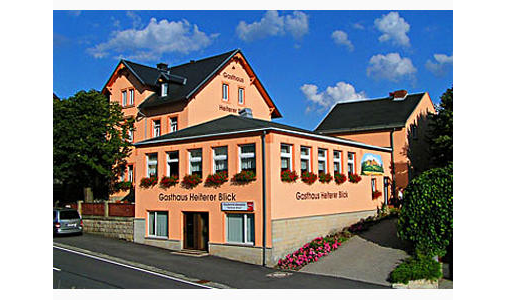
x: 72, y: 270
x: 209, y: 269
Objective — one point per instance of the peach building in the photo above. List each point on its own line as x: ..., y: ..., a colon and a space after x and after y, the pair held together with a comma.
x: 399, y: 121
x: 213, y: 117
x: 259, y: 221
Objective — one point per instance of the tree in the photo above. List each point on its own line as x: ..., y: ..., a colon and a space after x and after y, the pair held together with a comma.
x: 89, y: 140
x: 440, y: 133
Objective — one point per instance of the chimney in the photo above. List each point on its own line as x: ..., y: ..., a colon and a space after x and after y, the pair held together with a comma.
x: 162, y: 66
x: 192, y: 61
x: 246, y: 112
x: 398, y: 95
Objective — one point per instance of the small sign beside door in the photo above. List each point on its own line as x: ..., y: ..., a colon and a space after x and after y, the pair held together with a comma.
x: 237, y: 206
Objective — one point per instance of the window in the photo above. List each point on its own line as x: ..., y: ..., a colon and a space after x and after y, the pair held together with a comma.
x: 130, y: 173
x: 219, y: 159
x: 240, y: 228
x: 413, y: 131
x: 152, y: 165
x: 305, y: 159
x: 131, y: 97
x: 373, y: 185
x: 130, y: 135
x: 158, y: 223
x: 122, y: 175
x: 173, y: 123
x: 241, y: 96
x: 225, y: 92
x: 286, y: 157
x: 351, y: 167
x: 322, y: 157
x: 156, y: 128
x: 247, y: 158
x: 163, y: 89
x: 195, y: 160
x: 173, y: 166
x: 337, y: 161
x: 124, y: 98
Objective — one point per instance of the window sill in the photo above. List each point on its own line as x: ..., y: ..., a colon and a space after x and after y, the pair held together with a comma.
x: 250, y: 245
x: 128, y: 106
x: 154, y: 237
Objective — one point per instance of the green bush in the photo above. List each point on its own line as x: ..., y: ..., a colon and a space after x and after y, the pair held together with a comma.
x: 422, y: 267
x: 426, y: 215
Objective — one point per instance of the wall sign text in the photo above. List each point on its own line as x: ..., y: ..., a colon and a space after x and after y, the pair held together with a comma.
x: 321, y: 195
x: 237, y: 206
x: 233, y: 77
x: 197, y: 197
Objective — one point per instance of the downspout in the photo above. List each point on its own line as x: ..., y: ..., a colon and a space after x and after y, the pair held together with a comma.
x: 393, y: 172
x: 263, y: 137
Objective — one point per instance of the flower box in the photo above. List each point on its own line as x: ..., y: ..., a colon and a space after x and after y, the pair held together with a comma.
x: 148, y: 182
x: 308, y: 177
x: 244, y: 177
x: 354, y: 178
x: 339, y: 178
x: 168, y: 181
x: 216, y: 179
x: 376, y: 194
x: 289, y: 176
x: 325, y: 177
x: 191, y: 181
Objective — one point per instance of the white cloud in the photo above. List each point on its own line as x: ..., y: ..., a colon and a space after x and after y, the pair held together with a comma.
x: 358, y: 26
x: 322, y: 101
x: 154, y: 40
x: 341, y: 38
x: 394, y: 28
x: 272, y: 24
x: 392, y: 67
x: 74, y: 13
x: 136, y: 19
x: 442, y: 65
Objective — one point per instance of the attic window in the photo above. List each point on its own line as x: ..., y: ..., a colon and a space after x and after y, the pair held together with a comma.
x: 163, y: 91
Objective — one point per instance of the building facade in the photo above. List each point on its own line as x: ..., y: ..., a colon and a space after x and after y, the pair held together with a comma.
x: 213, y: 118
x: 262, y: 220
x: 399, y: 121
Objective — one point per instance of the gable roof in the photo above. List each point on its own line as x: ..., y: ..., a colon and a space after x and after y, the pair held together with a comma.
x: 187, y: 79
x: 374, y: 114
x: 233, y: 124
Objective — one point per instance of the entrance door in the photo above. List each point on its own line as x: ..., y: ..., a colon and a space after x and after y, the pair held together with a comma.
x: 195, y: 230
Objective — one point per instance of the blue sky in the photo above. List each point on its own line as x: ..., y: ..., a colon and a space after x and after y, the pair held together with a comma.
x: 307, y: 60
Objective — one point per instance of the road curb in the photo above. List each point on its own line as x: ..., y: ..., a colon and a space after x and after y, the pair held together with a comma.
x: 210, y: 284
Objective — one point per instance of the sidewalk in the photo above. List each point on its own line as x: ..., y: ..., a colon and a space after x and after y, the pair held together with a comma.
x: 368, y: 257
x: 217, y: 271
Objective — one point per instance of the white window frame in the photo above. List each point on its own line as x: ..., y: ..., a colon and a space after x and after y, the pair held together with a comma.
x: 155, y: 128
x: 164, y: 89
x: 307, y: 157
x: 286, y: 155
x: 338, y: 160
x: 225, y: 91
x: 241, y: 96
x: 174, y: 125
x: 242, y: 155
x: 193, y: 159
x: 324, y: 159
x: 124, y: 98
x: 130, y: 135
x: 413, y: 131
x: 245, y: 230
x: 148, y: 163
x: 130, y: 173
x: 155, y: 212
x: 351, y: 161
x: 373, y: 185
x: 172, y: 160
x: 131, y: 96
x: 220, y: 158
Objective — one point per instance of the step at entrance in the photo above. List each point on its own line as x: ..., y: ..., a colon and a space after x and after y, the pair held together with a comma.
x: 190, y: 252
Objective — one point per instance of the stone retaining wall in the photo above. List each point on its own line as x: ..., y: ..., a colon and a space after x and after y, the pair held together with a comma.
x: 115, y: 227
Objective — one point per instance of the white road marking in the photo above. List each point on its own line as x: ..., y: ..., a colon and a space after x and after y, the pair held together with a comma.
x: 132, y: 267
x: 56, y: 269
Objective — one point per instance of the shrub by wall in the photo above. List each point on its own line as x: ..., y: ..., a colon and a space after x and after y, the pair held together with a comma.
x: 416, y: 268
x: 426, y: 214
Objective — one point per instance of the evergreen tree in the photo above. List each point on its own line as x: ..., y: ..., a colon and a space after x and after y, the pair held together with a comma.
x: 440, y: 133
